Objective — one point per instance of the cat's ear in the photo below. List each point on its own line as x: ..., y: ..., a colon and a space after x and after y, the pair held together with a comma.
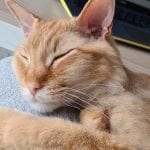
x: 96, y: 17
x: 24, y: 17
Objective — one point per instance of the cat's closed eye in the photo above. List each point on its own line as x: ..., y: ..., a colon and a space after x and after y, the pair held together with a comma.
x: 25, y: 57
x: 61, y: 56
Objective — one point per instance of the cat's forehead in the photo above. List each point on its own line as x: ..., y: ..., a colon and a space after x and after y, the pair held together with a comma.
x: 44, y: 32
x: 53, y: 38
x: 46, y: 35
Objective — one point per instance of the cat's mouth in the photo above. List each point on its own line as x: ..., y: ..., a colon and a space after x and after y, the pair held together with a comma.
x: 42, y: 102
x: 47, y: 99
x: 44, y: 107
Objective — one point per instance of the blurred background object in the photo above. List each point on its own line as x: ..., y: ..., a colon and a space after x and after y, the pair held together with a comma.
x: 131, y: 22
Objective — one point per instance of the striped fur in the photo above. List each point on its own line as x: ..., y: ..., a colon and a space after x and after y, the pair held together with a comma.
x: 77, y: 67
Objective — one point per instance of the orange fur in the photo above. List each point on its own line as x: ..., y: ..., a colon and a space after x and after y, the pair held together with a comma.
x: 65, y: 64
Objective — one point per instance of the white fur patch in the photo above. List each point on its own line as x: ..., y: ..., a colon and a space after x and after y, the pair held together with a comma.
x: 41, y: 102
x: 44, y: 108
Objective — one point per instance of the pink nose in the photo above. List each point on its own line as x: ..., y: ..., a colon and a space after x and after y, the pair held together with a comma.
x: 34, y: 87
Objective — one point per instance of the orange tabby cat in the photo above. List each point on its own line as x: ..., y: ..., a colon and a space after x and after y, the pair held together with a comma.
x: 73, y: 61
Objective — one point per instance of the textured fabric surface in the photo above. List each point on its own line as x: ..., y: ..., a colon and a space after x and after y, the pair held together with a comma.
x: 9, y: 88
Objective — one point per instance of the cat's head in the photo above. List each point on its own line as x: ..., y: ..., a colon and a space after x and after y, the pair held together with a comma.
x: 61, y: 61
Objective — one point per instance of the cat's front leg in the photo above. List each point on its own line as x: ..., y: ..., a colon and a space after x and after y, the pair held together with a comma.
x: 19, y: 131
x: 95, y: 117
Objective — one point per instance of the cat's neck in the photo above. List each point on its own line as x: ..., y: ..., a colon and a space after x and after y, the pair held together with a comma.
x: 125, y: 80
x: 138, y: 84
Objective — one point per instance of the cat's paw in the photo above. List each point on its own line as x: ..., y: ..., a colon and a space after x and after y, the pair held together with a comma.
x: 95, y: 117
x: 4, y: 110
x: 6, y: 113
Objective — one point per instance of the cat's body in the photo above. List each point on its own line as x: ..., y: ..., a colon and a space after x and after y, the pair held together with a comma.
x: 75, y: 62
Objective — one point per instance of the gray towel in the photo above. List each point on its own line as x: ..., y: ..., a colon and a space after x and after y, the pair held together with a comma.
x: 9, y: 88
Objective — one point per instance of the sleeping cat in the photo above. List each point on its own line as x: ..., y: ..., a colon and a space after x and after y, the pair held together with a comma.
x: 73, y: 62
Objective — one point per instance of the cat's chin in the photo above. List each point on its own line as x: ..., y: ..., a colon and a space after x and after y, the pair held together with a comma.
x: 44, y: 108
x: 43, y: 104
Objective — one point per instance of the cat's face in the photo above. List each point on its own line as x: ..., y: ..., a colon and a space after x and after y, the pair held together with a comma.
x: 59, y: 61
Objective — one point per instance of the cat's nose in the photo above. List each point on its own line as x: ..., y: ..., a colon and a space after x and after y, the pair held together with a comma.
x: 34, y: 87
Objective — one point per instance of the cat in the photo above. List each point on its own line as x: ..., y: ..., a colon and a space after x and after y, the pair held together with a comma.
x: 75, y: 61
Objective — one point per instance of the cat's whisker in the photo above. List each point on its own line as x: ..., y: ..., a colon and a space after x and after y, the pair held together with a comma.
x: 67, y: 102
x: 92, y: 100
x: 100, y: 85
x: 71, y: 100
x: 84, y: 102
x: 80, y: 99
x: 72, y: 106
x: 72, y: 97
x: 90, y: 110
x: 82, y: 93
